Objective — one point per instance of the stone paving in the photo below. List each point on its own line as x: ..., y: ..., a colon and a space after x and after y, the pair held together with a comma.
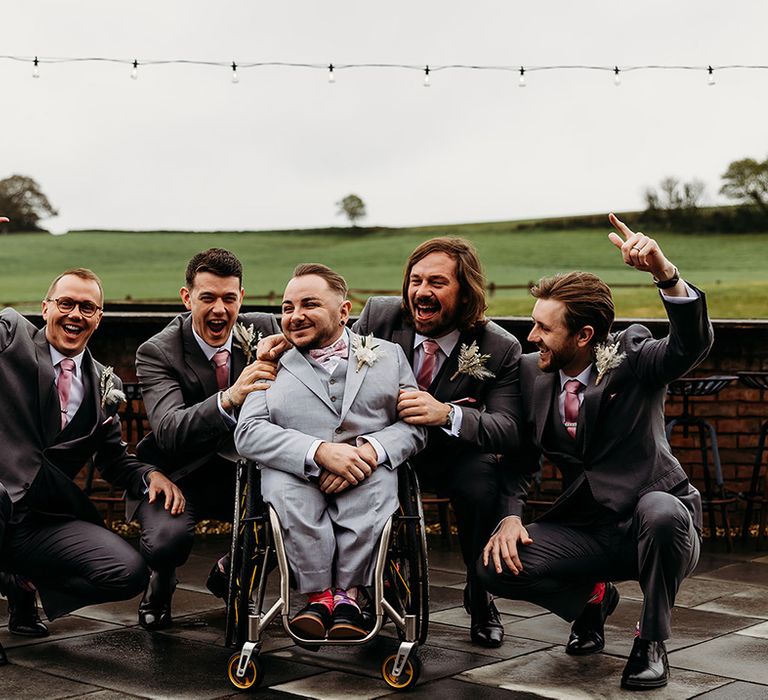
x: 719, y: 649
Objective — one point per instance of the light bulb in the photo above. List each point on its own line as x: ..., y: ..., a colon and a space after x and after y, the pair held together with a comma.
x: 331, y: 76
x: 616, y: 76
x: 135, y: 71
x: 521, y: 81
x: 711, y: 77
x: 35, y: 70
x: 235, y: 78
x: 426, y: 82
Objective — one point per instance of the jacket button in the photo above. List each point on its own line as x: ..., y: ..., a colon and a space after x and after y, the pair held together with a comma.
x: 332, y: 381
x: 26, y: 484
x: 338, y: 431
x: 333, y: 398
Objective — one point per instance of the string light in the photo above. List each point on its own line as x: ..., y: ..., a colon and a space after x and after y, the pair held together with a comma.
x: 235, y: 78
x: 331, y: 76
x: 616, y: 76
x: 521, y: 81
x: 135, y: 71
x: 426, y: 77
x: 36, y: 70
x: 711, y: 77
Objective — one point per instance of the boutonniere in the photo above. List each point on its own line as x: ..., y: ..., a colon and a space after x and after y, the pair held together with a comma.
x: 109, y: 395
x: 607, y: 357
x: 247, y: 339
x: 365, y: 352
x: 472, y: 362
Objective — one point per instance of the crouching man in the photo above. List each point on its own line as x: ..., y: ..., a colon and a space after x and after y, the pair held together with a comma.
x: 328, y: 440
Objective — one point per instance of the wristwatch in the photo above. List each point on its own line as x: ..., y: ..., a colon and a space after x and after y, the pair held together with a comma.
x: 451, y: 413
x: 667, y: 284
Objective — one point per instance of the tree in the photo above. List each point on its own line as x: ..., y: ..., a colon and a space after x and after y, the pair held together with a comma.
x: 352, y: 207
x: 747, y: 181
x: 23, y: 202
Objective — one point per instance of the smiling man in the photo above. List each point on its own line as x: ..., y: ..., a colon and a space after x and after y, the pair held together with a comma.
x: 195, y: 374
x: 593, y: 405
x: 471, y: 413
x: 328, y: 441
x: 57, y: 416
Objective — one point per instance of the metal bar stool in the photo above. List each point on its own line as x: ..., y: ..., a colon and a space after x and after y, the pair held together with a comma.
x: 756, y: 496
x: 714, y: 495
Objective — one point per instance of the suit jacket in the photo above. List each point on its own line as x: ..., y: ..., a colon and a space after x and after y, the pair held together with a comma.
x: 178, y: 385
x: 277, y: 427
x: 30, y: 429
x: 490, y: 423
x: 621, y: 447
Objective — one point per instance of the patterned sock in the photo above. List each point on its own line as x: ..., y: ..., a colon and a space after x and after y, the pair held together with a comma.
x: 349, y: 597
x: 637, y: 629
x: 596, y: 597
x: 323, y: 597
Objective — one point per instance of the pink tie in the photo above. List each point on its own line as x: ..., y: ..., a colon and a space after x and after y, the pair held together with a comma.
x: 571, y: 405
x: 63, y: 386
x: 221, y: 363
x: 428, y: 364
x: 337, y: 349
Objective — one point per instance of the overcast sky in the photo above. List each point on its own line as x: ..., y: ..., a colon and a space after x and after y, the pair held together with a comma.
x: 184, y: 148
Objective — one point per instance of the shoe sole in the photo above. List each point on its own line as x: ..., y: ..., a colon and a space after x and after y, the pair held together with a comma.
x: 30, y: 634
x: 345, y: 631
x: 307, y: 627
x: 648, y: 685
x: 609, y: 612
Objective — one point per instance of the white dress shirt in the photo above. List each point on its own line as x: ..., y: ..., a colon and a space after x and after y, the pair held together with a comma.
x: 446, y: 343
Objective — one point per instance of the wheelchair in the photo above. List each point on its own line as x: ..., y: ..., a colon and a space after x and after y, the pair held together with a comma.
x: 400, y: 590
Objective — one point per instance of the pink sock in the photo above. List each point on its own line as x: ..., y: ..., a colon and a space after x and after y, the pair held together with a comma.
x: 597, y: 594
x: 323, y: 597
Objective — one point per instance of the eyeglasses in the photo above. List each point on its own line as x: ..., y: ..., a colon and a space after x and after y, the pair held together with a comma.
x: 67, y: 305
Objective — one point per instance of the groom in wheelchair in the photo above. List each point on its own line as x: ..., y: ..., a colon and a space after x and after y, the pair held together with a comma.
x: 328, y: 441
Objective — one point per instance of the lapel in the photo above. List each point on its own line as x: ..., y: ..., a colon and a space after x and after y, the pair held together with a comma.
x: 442, y: 388
x: 354, y: 379
x: 299, y: 367
x: 236, y: 359
x: 543, y: 397
x: 404, y: 336
x: 196, y: 361
x: 48, y: 398
x: 593, y: 397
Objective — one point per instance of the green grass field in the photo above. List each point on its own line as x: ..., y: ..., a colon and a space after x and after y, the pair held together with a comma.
x: 149, y: 266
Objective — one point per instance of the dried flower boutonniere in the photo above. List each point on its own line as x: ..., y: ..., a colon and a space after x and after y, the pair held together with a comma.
x: 607, y: 357
x: 472, y: 362
x: 247, y: 339
x: 365, y: 352
x: 109, y: 394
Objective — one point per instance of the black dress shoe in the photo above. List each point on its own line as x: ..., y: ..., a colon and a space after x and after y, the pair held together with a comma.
x: 347, y: 622
x: 311, y: 622
x: 647, y: 666
x: 218, y: 581
x: 588, y: 629
x: 155, y: 606
x: 23, y: 618
x: 3, y: 657
x: 485, y: 628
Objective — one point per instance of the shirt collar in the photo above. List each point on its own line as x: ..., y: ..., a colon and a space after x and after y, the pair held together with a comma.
x: 57, y: 357
x: 446, y: 342
x: 583, y: 376
x: 208, y: 350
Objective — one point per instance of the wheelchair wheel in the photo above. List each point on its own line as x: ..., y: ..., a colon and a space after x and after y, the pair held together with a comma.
x: 408, y: 677
x: 254, y: 673
x: 406, y: 577
x: 248, y: 556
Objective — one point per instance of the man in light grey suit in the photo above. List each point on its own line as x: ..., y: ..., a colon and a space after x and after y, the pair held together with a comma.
x: 328, y: 439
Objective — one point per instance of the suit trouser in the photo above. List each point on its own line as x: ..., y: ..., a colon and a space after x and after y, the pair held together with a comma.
x: 473, y: 483
x: 560, y: 568
x: 73, y: 563
x: 166, y: 540
x: 330, y: 540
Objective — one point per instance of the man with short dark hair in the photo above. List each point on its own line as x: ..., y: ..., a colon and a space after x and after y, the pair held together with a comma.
x: 328, y: 441
x: 195, y: 374
x: 593, y: 405
x: 59, y: 409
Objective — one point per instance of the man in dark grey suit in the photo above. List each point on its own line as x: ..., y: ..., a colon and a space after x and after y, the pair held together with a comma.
x: 467, y: 368
x: 593, y: 405
x: 194, y: 375
x: 59, y: 409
